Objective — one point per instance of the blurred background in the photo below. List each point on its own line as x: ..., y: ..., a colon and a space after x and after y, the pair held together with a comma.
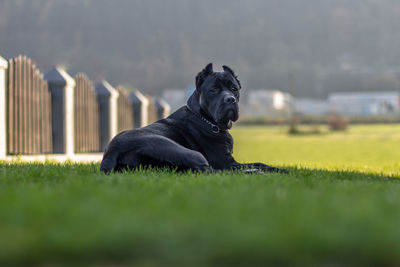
x: 307, y: 67
x: 310, y: 58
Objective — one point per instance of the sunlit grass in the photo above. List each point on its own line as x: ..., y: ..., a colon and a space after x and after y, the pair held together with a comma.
x: 338, y: 205
x: 364, y: 148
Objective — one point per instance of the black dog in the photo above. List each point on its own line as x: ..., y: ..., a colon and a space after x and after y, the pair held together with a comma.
x: 195, y: 137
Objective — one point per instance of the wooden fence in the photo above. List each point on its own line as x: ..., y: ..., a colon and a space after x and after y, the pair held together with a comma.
x: 163, y: 109
x: 125, y: 110
x: 86, y: 116
x: 152, y: 110
x: 56, y: 113
x: 28, y: 109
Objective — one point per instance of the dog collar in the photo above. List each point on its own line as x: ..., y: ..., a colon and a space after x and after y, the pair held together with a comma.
x: 214, y: 128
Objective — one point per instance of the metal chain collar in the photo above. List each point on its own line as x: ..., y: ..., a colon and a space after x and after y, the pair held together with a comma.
x: 214, y: 128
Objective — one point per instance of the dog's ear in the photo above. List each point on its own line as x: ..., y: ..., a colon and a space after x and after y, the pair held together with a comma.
x: 203, y: 75
x: 229, y: 70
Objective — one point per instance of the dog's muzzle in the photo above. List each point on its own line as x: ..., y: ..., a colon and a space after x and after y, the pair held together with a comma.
x: 227, y: 114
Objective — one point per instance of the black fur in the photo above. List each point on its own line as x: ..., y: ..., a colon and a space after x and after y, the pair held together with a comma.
x: 194, y: 137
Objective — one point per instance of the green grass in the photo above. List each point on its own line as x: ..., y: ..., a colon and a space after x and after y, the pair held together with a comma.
x: 367, y: 149
x: 340, y: 204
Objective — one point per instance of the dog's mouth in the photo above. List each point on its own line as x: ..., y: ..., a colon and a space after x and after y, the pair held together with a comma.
x: 225, y: 122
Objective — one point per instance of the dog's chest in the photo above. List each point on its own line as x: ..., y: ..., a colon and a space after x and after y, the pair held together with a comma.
x: 217, y: 149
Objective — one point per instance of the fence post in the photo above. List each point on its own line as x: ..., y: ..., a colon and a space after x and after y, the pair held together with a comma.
x: 61, y: 86
x: 3, y: 123
x: 166, y: 108
x: 159, y: 108
x: 108, y: 99
x: 140, y: 110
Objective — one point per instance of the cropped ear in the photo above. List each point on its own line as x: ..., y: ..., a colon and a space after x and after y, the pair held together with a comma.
x: 203, y: 75
x: 229, y: 70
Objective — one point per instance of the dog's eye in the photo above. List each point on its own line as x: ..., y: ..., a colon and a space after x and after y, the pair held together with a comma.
x: 234, y: 88
x: 214, y: 89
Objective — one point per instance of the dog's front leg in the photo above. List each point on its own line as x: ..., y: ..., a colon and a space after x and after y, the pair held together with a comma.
x: 256, y: 168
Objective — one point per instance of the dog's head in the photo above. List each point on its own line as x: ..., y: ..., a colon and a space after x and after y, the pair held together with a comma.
x: 219, y: 95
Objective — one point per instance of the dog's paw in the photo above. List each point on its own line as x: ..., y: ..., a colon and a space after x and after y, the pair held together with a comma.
x: 252, y: 171
x: 204, y: 168
x: 263, y: 171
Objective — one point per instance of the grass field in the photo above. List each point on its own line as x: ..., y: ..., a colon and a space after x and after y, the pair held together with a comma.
x: 340, y: 204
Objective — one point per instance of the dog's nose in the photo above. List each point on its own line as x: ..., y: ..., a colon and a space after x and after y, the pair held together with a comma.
x: 230, y: 99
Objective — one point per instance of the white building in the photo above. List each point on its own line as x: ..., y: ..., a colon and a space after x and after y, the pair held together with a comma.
x: 308, y: 106
x: 268, y: 103
x: 365, y: 103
